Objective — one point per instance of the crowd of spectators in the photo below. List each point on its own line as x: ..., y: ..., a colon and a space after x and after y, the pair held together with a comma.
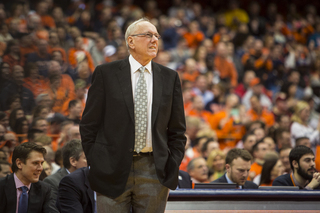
x: 249, y: 81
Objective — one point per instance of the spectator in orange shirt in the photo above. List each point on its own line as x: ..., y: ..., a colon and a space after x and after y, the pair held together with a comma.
x: 225, y: 68
x: 257, y: 112
x: 33, y: 81
x: 42, y: 11
x: 260, y: 149
x: 198, y: 109
x: 258, y: 59
x: 194, y: 36
x: 16, y: 15
x: 228, y: 122
x: 190, y: 71
x: 81, y: 91
x: 26, y: 46
x: 77, y: 54
x: 60, y: 88
x: 12, y: 54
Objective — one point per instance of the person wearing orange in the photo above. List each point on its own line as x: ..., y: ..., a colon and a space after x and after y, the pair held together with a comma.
x: 33, y: 81
x: 12, y: 54
x: 77, y: 54
x: 194, y: 36
x: 259, y: 151
x: 258, y: 59
x: 228, y: 122
x: 42, y: 11
x: 225, y: 68
x: 257, y: 112
x: 16, y: 14
x: 198, y: 109
x: 60, y: 88
x: 190, y: 71
x: 26, y: 46
x: 54, y: 44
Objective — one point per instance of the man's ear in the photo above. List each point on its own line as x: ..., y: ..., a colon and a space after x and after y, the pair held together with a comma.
x: 228, y: 168
x: 130, y: 42
x: 73, y: 161
x: 19, y: 163
x: 295, y: 164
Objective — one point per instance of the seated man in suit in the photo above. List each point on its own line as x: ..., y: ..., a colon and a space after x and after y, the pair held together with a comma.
x: 198, y: 170
x: 22, y: 191
x: 304, y: 173
x: 73, y: 159
x: 238, y: 164
x: 184, y: 180
x: 75, y: 194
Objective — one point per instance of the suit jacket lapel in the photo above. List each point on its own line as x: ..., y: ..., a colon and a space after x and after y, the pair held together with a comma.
x: 35, y: 198
x: 11, y: 194
x: 89, y: 190
x: 157, y: 90
x: 124, y: 77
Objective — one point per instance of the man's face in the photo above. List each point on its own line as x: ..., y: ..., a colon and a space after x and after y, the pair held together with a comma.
x: 202, y: 83
x: 31, y: 170
x: 144, y: 48
x: 262, y: 150
x: 304, y: 142
x: 74, y: 133
x: 306, y: 165
x: 77, y: 109
x: 285, y: 139
x: 238, y: 171
x: 284, y: 157
x: 17, y: 74
x: 42, y: 125
x: 82, y: 162
x: 200, y: 170
x: 5, y: 170
x: 249, y: 143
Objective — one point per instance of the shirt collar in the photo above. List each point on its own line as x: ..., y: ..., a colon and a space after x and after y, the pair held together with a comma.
x: 19, y: 183
x: 296, y: 182
x: 230, y: 181
x: 135, y: 65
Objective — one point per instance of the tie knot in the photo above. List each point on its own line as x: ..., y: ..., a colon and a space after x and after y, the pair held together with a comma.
x: 141, y: 69
x: 24, y: 188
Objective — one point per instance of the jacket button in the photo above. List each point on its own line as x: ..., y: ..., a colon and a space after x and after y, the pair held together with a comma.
x: 130, y: 150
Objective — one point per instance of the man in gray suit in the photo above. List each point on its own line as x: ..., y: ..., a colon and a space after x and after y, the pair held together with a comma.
x: 73, y: 159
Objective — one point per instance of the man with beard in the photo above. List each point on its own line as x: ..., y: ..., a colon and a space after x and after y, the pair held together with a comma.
x: 238, y: 164
x: 304, y: 173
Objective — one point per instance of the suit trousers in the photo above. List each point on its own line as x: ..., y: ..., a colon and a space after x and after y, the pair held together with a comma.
x: 143, y: 192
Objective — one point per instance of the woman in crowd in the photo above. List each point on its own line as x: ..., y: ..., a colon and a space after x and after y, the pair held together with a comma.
x: 272, y: 168
x: 216, y: 163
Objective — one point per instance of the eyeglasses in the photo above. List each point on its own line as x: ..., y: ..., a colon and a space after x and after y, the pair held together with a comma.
x: 148, y: 35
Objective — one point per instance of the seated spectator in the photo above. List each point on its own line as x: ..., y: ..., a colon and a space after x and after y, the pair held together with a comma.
x: 194, y: 36
x: 12, y: 54
x: 216, y: 163
x: 303, y: 173
x: 280, y: 107
x: 27, y: 46
x: 4, y: 75
x: 181, y: 52
x: 197, y: 109
x: 235, y: 15
x: 73, y: 159
x: 238, y: 164
x: 219, y: 91
x: 260, y: 133
x: 201, y: 88
x: 284, y: 157
x: 42, y: 11
x: 75, y: 108
x: 73, y: 133
x: 272, y: 168
x: 14, y: 116
x: 60, y: 88
x: 55, y: 129
x: 190, y: 71
x: 257, y: 112
x: 75, y: 193
x: 243, y: 87
x: 256, y: 88
x: 282, y: 138
x: 4, y: 168
x: 27, y: 165
x: 33, y: 81
x: 303, y: 141
x: 198, y: 170
x: 41, y: 57
x: 184, y: 180
x: 40, y: 124
x: 247, y: 142
x: 63, y: 137
x: 21, y: 129
x: 210, y: 145
x: 259, y: 151
x: 227, y: 123
x: 300, y: 126
x: 224, y: 67
x: 271, y: 143
x: 40, y: 111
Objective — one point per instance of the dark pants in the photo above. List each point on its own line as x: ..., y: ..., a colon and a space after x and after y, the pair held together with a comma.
x: 143, y: 193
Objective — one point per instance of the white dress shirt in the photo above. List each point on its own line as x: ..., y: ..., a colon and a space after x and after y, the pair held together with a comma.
x: 134, y: 67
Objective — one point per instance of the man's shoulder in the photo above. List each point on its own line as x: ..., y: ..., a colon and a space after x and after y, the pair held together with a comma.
x: 283, y: 180
x: 222, y: 179
x: 5, y: 180
x: 77, y: 175
x: 250, y: 185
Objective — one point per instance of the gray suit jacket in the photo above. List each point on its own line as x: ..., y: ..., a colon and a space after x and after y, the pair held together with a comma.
x: 54, y: 181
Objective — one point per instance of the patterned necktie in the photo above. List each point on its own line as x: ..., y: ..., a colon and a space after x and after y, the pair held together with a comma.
x: 140, y: 112
x: 23, y: 201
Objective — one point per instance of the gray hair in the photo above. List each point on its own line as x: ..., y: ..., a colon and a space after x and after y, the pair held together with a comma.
x: 40, y: 97
x: 131, y: 28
